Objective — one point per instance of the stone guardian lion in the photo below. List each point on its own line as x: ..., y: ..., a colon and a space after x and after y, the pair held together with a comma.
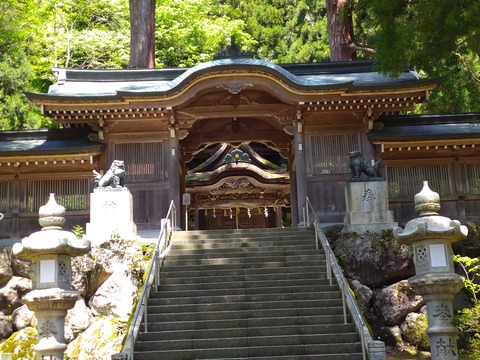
x: 114, y: 177
x: 359, y: 166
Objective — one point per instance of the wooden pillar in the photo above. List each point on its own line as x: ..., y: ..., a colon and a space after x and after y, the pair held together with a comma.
x: 300, y: 171
x: 278, y: 216
x: 293, y: 196
x: 175, y: 173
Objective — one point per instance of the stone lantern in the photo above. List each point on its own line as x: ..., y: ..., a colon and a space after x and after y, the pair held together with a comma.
x: 430, y: 236
x: 51, y: 251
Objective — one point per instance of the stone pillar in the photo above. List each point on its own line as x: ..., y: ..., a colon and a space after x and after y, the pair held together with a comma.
x: 50, y: 251
x: 430, y: 236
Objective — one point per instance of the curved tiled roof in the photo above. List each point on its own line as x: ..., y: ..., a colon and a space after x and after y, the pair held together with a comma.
x: 95, y: 84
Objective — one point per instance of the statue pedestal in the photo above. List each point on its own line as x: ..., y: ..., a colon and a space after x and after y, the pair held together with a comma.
x: 367, y: 207
x: 111, y: 213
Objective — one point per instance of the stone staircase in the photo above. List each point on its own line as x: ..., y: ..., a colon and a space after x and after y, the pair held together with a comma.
x: 255, y: 293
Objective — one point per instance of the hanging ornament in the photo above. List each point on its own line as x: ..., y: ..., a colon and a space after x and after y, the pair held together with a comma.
x: 214, y: 214
x: 249, y: 213
x: 231, y: 213
x: 265, y: 211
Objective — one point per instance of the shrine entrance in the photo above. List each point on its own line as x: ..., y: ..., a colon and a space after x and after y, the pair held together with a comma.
x: 236, y: 174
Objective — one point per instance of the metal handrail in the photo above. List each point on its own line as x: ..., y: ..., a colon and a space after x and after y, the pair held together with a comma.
x: 333, y: 267
x: 168, y: 225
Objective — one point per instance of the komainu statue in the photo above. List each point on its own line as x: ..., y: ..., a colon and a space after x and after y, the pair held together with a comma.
x: 114, y: 177
x: 359, y: 166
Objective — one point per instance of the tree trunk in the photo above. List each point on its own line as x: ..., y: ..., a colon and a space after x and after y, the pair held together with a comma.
x: 340, y: 31
x: 142, y: 34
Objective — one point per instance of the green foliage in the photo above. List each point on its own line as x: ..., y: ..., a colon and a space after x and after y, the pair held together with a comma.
x: 17, y: 34
x: 78, y: 231
x: 284, y: 31
x: 187, y: 33
x: 471, y: 269
x: 468, y: 319
x: 86, y: 34
x: 440, y: 38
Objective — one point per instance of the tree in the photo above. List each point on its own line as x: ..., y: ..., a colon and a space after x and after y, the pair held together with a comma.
x: 17, y: 43
x: 284, y: 31
x: 192, y: 31
x: 142, y: 34
x: 436, y: 38
x: 340, y: 30
x: 86, y: 33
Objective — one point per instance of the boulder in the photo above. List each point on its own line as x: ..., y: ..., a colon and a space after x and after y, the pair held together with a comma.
x: 12, y: 292
x: 116, y: 296
x: 22, y: 317
x: 21, y: 267
x: 5, y: 327
x: 374, y: 259
x: 414, y: 330
x: 77, y: 320
x: 6, y: 272
x: 98, y: 342
x: 393, y: 303
x: 363, y: 295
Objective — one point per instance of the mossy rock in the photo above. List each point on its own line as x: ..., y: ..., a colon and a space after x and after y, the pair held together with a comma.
x: 21, y: 344
x: 102, y: 339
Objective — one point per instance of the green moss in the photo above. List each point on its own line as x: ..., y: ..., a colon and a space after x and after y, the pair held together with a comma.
x: 21, y: 344
x: 416, y: 334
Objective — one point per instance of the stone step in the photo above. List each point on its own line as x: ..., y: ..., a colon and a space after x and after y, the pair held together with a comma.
x: 238, y: 305
x: 256, y: 351
x: 225, y: 269
x: 320, y: 330
x: 221, y: 277
x: 321, y: 291
x: 243, y: 314
x: 238, y: 283
x: 157, y: 299
x: 210, y: 324
x: 244, y: 341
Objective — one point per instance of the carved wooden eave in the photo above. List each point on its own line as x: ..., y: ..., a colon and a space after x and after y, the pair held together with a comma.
x: 239, y: 191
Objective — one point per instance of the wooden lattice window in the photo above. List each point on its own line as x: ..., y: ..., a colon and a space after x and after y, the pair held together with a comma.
x: 329, y: 153
x: 406, y: 181
x: 472, y: 172
x: 73, y: 194
x: 5, y: 195
x: 144, y: 162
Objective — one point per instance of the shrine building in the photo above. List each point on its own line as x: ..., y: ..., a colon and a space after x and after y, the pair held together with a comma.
x: 242, y: 141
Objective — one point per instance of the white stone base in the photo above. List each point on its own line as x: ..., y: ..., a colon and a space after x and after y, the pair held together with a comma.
x: 367, y: 207
x: 111, y: 214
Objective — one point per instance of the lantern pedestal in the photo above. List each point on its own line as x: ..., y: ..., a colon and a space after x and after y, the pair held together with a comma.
x: 367, y: 207
x: 111, y: 214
